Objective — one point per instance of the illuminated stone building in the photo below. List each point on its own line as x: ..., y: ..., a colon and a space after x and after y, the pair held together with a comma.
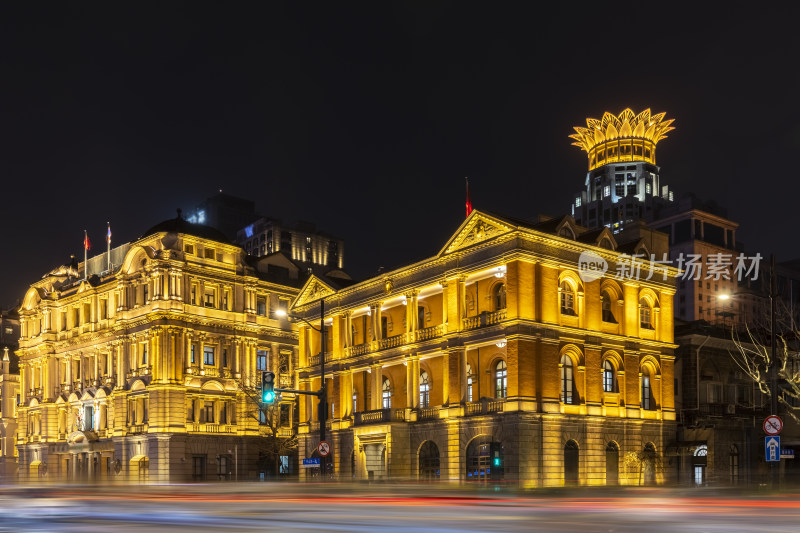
x: 9, y: 393
x: 141, y: 371
x: 494, y: 359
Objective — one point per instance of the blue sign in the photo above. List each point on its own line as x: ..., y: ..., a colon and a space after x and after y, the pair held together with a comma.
x: 772, y: 448
x: 311, y: 463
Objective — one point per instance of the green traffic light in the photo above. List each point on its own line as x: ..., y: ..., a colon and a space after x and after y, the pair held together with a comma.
x: 269, y: 397
x: 496, y: 461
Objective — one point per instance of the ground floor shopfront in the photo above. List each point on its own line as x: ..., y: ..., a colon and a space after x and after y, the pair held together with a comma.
x: 519, y: 448
x: 151, y: 458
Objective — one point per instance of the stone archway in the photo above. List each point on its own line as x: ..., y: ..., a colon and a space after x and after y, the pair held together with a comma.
x: 429, y: 461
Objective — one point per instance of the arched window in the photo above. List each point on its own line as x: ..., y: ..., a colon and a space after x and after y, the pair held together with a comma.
x: 645, y: 314
x: 608, y: 308
x: 567, y: 299
x: 567, y: 380
x: 499, y: 293
x: 424, y: 390
x: 571, y: 462
x: 470, y: 381
x: 733, y: 464
x: 612, y: 463
x: 387, y: 394
x: 647, y: 393
x: 501, y: 379
x: 608, y: 377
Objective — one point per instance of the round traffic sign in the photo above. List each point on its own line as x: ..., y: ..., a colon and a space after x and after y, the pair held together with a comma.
x: 324, y: 448
x: 773, y: 425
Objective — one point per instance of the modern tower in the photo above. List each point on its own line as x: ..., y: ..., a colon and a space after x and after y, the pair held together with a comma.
x: 622, y: 183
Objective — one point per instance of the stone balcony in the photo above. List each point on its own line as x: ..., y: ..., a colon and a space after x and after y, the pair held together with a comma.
x: 484, y: 319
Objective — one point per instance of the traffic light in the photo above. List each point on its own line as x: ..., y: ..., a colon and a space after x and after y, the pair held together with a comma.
x: 267, y: 387
x: 496, y: 460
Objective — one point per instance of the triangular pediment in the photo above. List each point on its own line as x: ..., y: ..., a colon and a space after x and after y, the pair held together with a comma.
x: 313, y: 290
x: 478, y: 227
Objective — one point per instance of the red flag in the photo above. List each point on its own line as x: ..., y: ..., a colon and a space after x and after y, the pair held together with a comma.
x: 469, y: 202
x: 86, y: 244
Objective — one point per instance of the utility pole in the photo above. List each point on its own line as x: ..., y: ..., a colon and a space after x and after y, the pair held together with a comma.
x: 773, y: 368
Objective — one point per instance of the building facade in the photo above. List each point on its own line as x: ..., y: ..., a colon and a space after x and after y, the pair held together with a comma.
x: 623, y: 183
x: 495, y: 360
x: 302, y: 242
x: 146, y: 371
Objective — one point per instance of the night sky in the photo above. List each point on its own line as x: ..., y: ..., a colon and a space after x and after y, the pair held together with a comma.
x: 365, y: 118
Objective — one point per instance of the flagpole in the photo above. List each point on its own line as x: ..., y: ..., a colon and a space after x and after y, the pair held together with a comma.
x: 469, y: 201
x: 85, y: 255
x: 108, y: 240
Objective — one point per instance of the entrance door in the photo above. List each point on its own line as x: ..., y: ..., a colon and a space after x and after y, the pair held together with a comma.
x: 199, y: 468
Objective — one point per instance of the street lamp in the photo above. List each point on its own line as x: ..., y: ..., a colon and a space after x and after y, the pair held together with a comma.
x: 725, y: 297
x: 321, y: 393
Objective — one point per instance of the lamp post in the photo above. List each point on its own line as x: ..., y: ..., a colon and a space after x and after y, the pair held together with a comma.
x: 321, y: 394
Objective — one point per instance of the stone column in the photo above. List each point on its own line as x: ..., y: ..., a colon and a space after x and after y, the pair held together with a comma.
x: 377, y: 387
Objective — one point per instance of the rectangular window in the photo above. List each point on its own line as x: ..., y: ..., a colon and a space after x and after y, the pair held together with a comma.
x: 210, y: 297
x: 261, y: 360
x: 225, y: 358
x: 208, y: 355
x: 207, y: 413
x: 188, y: 248
x: 646, y: 392
x: 103, y: 309
x: 225, y: 301
x: 193, y: 360
x: 261, y: 306
x: 209, y: 253
x: 144, y: 354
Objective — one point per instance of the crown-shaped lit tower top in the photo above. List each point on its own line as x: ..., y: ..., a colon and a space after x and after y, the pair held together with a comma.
x: 627, y: 137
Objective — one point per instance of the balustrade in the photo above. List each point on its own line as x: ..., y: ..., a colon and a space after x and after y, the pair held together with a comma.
x: 484, y: 319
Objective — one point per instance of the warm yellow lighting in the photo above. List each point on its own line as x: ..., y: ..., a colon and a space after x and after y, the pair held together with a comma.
x: 626, y: 137
x: 281, y: 313
x: 724, y: 296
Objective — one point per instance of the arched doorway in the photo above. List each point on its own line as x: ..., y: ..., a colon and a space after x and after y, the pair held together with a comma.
x: 485, y: 460
x: 571, y: 462
x: 429, y: 461
x: 612, y: 463
x: 699, y: 462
